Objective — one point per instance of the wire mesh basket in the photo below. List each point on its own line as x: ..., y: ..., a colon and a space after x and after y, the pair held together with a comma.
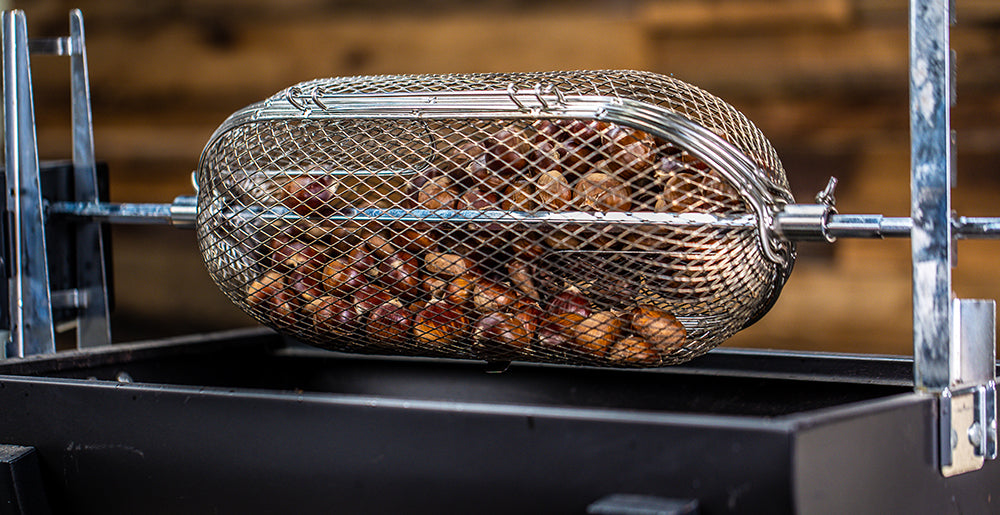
x: 612, y: 218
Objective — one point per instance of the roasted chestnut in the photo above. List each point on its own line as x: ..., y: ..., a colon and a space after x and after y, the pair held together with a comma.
x: 333, y: 316
x: 552, y: 191
x: 369, y: 296
x: 570, y: 300
x: 518, y: 197
x: 634, y: 350
x: 555, y: 332
x: 434, y: 192
x: 307, y: 195
x: 489, y: 296
x: 596, y: 333
x: 658, y: 327
x: 601, y: 191
x: 446, y: 264
x: 269, y: 294
x: 389, y: 324
x: 507, y: 152
x: 400, y: 274
x: 439, y: 325
x: 500, y: 333
x: 341, y: 278
x: 629, y: 152
x: 520, y: 274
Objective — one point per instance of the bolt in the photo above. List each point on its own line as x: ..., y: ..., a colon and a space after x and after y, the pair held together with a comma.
x: 975, y: 434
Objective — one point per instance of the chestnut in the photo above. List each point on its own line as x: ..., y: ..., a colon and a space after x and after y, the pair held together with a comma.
x: 399, y: 273
x: 570, y: 300
x: 658, y: 327
x: 457, y: 290
x: 629, y: 152
x: 701, y: 192
x: 548, y: 155
x: 501, y: 332
x: 552, y: 191
x: 602, y: 192
x: 304, y: 282
x: 446, y: 264
x: 341, y: 278
x: 467, y: 164
x: 634, y: 350
x: 292, y: 253
x: 308, y: 195
x: 596, y: 333
x: 362, y: 261
x: 518, y: 197
x: 520, y: 274
x: 555, y: 332
x: 488, y: 295
x: 440, y: 325
x: 507, y: 152
x: 389, y: 324
x: 413, y: 240
x: 270, y: 297
x: 434, y: 192
x: 369, y: 296
x: 333, y: 316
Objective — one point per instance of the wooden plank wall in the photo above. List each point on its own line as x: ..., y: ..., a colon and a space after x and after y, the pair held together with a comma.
x: 824, y: 79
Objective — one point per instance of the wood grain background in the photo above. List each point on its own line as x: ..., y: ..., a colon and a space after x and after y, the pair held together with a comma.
x: 824, y: 79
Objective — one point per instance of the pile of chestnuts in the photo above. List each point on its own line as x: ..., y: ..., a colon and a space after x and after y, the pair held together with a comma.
x: 485, y: 289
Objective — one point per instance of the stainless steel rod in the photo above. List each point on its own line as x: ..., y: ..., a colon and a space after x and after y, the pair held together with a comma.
x: 182, y: 212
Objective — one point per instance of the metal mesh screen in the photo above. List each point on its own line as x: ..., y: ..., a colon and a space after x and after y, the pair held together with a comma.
x: 340, y: 231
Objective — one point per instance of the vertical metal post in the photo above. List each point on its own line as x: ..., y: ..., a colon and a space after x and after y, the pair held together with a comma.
x: 31, y: 311
x: 953, y: 339
x: 930, y: 194
x: 93, y: 329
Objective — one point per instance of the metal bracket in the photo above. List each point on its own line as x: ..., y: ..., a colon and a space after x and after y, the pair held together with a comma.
x: 30, y: 298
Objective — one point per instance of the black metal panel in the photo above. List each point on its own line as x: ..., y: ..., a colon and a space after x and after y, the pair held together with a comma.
x: 138, y: 449
x: 891, y: 466
x: 21, y: 490
x: 239, y: 422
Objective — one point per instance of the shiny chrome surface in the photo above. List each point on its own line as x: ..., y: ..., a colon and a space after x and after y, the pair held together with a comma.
x: 31, y: 311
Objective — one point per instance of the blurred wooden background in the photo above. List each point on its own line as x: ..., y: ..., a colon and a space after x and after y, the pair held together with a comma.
x: 826, y: 80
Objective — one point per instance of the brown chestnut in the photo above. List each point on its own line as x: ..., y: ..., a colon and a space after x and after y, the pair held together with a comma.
x: 552, y: 191
x: 634, y: 350
x: 629, y: 152
x: 596, y: 333
x: 555, y: 332
x: 272, y: 299
x: 507, y: 152
x: 658, y: 327
x: 570, y: 300
x: 434, y: 192
x: 446, y: 264
x: 333, y: 316
x: 440, y: 325
x: 489, y: 296
x: 369, y: 296
x: 518, y: 197
x: 602, y: 192
x: 698, y: 192
x: 501, y: 332
x: 307, y: 195
x: 399, y: 273
x: 520, y: 274
x: 341, y: 278
x: 389, y: 324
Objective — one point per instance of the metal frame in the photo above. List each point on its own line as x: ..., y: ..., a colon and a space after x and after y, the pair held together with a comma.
x: 954, y: 348
x: 31, y: 300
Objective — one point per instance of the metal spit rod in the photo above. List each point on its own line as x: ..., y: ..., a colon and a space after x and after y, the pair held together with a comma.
x: 182, y: 213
